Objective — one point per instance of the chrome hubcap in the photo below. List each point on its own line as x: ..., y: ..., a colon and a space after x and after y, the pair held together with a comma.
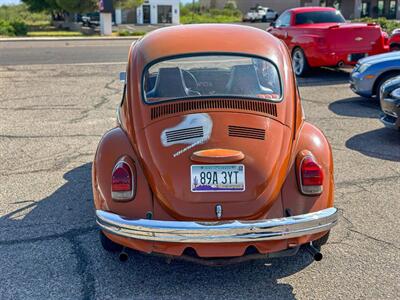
x: 298, y: 62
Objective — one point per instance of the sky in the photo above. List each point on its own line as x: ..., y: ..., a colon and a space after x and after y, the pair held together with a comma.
x: 17, y: 1
x: 8, y: 2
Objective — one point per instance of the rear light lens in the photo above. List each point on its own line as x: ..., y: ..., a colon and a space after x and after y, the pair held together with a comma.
x: 311, y: 176
x: 122, y: 187
x: 385, y: 38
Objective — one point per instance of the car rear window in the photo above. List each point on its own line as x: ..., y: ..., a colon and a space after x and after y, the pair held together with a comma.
x: 206, y: 76
x: 319, y: 17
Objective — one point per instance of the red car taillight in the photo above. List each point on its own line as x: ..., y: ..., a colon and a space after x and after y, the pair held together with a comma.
x: 311, y: 176
x: 385, y: 37
x: 122, y: 186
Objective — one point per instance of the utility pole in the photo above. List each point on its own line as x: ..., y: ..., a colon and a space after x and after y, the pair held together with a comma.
x: 105, y: 8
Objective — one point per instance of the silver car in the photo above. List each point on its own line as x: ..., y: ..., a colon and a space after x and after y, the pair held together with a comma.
x: 390, y: 103
x: 371, y: 72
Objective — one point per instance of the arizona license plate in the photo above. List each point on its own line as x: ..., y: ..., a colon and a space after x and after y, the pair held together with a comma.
x: 217, y: 178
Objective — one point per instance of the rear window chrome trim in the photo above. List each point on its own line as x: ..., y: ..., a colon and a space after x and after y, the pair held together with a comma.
x: 169, y: 57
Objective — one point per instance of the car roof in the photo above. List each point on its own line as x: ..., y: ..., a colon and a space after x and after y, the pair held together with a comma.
x: 208, y: 38
x: 311, y: 9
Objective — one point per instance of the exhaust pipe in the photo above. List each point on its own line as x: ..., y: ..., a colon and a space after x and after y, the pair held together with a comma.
x: 340, y: 64
x: 123, y: 256
x: 313, y: 251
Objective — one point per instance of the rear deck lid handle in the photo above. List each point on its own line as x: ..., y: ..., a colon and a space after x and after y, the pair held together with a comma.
x: 217, y: 156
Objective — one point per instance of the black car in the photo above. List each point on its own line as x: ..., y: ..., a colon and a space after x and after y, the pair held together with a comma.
x: 390, y: 103
x: 90, y: 19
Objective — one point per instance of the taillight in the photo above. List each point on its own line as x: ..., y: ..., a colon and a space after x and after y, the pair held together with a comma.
x: 122, y: 186
x: 385, y: 38
x: 311, y: 176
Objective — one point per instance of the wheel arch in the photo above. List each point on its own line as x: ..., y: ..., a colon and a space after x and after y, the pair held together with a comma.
x: 306, y: 66
x: 385, y: 75
x: 297, y: 47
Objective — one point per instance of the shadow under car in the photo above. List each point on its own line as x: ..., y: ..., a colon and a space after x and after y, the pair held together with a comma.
x: 67, y: 215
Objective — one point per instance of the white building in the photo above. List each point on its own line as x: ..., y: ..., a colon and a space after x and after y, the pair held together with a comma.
x: 150, y: 12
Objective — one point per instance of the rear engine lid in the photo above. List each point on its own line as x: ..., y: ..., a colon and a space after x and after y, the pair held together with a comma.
x: 201, y: 161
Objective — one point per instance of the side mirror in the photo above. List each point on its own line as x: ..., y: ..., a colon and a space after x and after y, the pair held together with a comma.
x: 122, y: 77
x: 272, y: 24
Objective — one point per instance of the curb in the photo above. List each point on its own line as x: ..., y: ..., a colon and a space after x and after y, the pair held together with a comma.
x: 77, y: 38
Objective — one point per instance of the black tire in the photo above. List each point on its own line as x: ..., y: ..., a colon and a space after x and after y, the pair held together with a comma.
x: 381, y: 80
x: 108, y: 244
x: 299, y: 61
x: 321, y: 241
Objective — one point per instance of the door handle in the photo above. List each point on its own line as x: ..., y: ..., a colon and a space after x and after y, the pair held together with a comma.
x: 285, y: 34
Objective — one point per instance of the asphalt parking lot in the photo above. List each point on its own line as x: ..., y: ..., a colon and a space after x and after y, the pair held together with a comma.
x: 56, y: 101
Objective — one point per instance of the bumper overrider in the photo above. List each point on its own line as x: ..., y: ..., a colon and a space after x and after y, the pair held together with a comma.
x: 220, y: 231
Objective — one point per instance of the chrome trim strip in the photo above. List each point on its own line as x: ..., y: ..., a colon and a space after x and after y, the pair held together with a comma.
x: 220, y: 231
x: 118, y: 111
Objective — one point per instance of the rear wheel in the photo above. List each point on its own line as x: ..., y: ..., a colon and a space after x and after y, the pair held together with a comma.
x: 381, y: 80
x: 108, y: 244
x: 299, y: 61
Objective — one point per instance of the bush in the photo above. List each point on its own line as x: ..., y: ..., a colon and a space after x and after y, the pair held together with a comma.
x: 6, y: 29
x: 387, y: 25
x: 13, y: 28
x: 20, y: 28
x: 196, y: 14
x: 21, y: 12
x: 213, y: 16
x: 131, y: 33
x: 58, y: 33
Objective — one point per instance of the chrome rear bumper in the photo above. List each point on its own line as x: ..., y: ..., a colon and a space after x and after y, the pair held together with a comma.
x: 220, y: 231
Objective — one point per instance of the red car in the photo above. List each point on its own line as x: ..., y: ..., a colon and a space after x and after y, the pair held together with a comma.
x: 394, y: 40
x: 320, y: 36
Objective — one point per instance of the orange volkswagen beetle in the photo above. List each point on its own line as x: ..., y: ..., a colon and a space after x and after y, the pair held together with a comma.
x: 211, y: 159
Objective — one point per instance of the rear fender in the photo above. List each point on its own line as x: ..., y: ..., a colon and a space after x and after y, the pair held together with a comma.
x: 309, y: 140
x: 114, y: 146
x: 305, y: 41
x: 309, y: 44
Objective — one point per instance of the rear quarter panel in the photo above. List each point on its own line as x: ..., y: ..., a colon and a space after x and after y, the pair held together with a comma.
x: 113, y: 146
x: 313, y: 140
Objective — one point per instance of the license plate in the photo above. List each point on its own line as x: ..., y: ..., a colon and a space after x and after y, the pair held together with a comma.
x: 356, y: 56
x: 217, y: 178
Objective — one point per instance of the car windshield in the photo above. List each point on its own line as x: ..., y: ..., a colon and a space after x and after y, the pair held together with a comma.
x: 319, y: 17
x: 211, y: 76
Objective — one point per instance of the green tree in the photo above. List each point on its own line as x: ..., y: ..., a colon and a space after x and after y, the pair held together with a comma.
x: 42, y: 5
x: 127, y: 3
x: 77, y: 6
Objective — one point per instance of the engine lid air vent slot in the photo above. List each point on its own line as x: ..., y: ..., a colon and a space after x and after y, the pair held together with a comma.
x: 246, y: 132
x: 184, y: 134
x: 263, y: 107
